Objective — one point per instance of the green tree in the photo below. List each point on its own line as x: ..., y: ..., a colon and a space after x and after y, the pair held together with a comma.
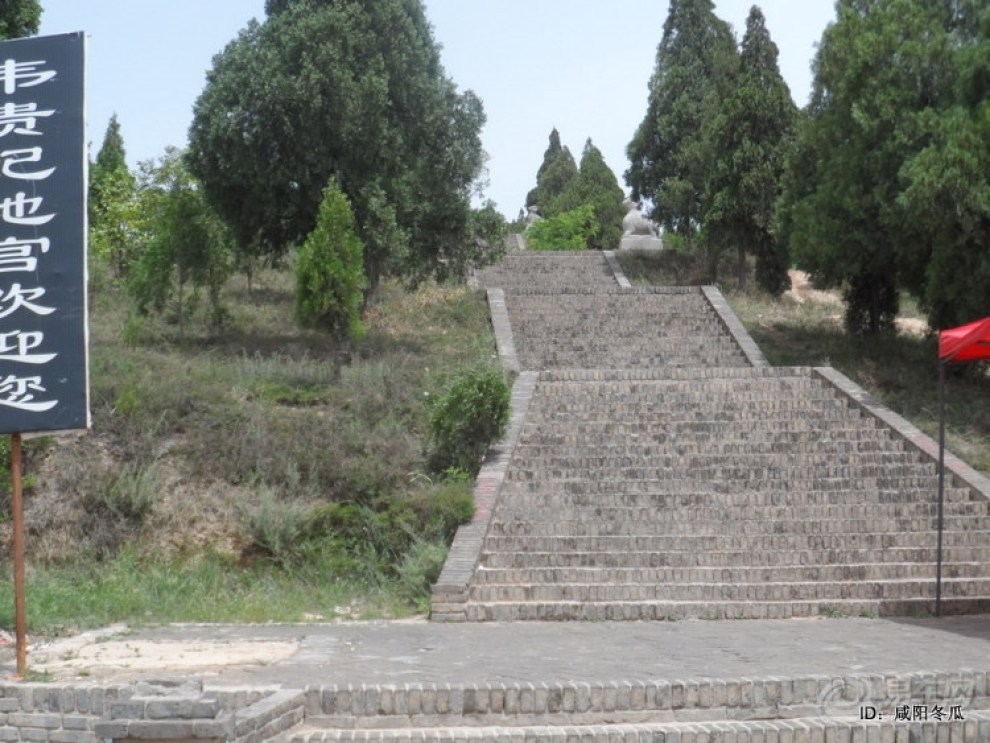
x: 749, y: 137
x: 554, y: 148
x: 570, y: 230
x: 112, y: 202
x: 670, y: 158
x: 879, y: 65
x: 557, y: 172
x: 947, y: 184
x: 485, y: 243
x: 349, y: 89
x: 19, y: 18
x: 329, y: 270
x: 187, y: 247
x: 595, y: 186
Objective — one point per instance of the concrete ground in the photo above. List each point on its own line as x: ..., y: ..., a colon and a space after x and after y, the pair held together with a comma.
x: 416, y: 651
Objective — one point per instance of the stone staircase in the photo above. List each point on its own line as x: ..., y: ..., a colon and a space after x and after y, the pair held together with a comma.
x: 619, y: 329
x: 658, y: 468
x: 808, y: 709
x: 548, y: 271
x: 711, y: 493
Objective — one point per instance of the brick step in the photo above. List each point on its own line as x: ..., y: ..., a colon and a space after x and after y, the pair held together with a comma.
x: 652, y: 419
x: 368, y: 706
x: 889, y: 589
x: 686, y: 392
x: 652, y: 611
x: 670, y: 483
x: 660, y: 446
x: 738, y: 558
x: 593, y: 334
x: 680, y: 393
x: 674, y: 313
x: 662, y: 418
x: 662, y: 429
x: 793, y: 527
x: 713, y: 510
x: 530, y: 358
x: 733, y: 542
x: 739, y: 477
x: 822, y: 490
x: 487, y: 576
x: 540, y: 495
x: 975, y: 728
x: 826, y: 458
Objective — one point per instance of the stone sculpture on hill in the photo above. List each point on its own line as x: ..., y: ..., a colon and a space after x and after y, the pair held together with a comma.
x: 532, y: 216
x: 638, y: 231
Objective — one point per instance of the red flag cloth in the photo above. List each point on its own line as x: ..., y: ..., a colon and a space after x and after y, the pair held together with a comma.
x: 969, y: 342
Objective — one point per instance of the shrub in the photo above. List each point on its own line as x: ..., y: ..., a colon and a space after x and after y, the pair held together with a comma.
x: 329, y: 271
x: 274, y: 529
x: 467, y: 418
x: 419, y: 570
x: 571, y: 230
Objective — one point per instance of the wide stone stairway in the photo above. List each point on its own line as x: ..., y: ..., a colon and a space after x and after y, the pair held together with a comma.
x: 658, y: 468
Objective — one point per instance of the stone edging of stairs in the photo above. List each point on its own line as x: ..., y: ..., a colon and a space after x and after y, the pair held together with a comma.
x: 954, y: 466
x: 499, y: 313
x: 613, y: 264
x: 734, y: 326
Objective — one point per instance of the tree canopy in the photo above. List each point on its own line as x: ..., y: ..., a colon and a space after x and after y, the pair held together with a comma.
x: 555, y: 174
x: 585, y: 201
x: 19, y: 18
x: 345, y: 89
x: 670, y: 159
x: 946, y: 185
x: 749, y: 137
x: 886, y: 188
x: 111, y: 201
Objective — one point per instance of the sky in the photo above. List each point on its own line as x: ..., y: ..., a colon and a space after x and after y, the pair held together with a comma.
x: 582, y: 66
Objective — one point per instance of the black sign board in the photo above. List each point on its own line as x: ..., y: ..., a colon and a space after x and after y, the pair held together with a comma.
x: 44, y: 384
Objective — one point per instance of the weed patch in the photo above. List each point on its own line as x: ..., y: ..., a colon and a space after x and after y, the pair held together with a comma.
x: 216, y: 457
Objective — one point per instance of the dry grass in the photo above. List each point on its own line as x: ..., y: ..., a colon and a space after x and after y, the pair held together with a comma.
x: 188, y: 436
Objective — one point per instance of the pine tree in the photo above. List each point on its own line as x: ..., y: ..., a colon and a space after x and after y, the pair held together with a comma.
x: 749, y: 137
x: 880, y: 67
x: 329, y: 275
x: 596, y: 186
x: 557, y: 172
x: 670, y: 159
x: 947, y: 183
x: 19, y: 18
x: 348, y: 89
x: 552, y: 151
x: 111, y: 201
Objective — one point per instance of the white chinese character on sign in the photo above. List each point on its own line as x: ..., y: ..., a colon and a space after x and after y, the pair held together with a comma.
x: 20, y: 118
x: 16, y: 157
x: 16, y: 297
x: 18, y: 255
x: 16, y: 74
x: 18, y: 392
x: 20, y: 209
x: 16, y: 345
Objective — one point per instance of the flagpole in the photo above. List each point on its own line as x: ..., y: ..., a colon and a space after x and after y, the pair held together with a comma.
x: 941, y: 485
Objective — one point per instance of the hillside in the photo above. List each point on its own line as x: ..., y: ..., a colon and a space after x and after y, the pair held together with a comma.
x: 258, y: 464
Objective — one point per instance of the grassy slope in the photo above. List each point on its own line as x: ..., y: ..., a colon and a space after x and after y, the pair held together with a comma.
x: 208, y: 457
x: 901, y: 370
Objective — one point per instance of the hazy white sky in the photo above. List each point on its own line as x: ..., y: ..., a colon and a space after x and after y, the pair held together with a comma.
x: 580, y: 65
